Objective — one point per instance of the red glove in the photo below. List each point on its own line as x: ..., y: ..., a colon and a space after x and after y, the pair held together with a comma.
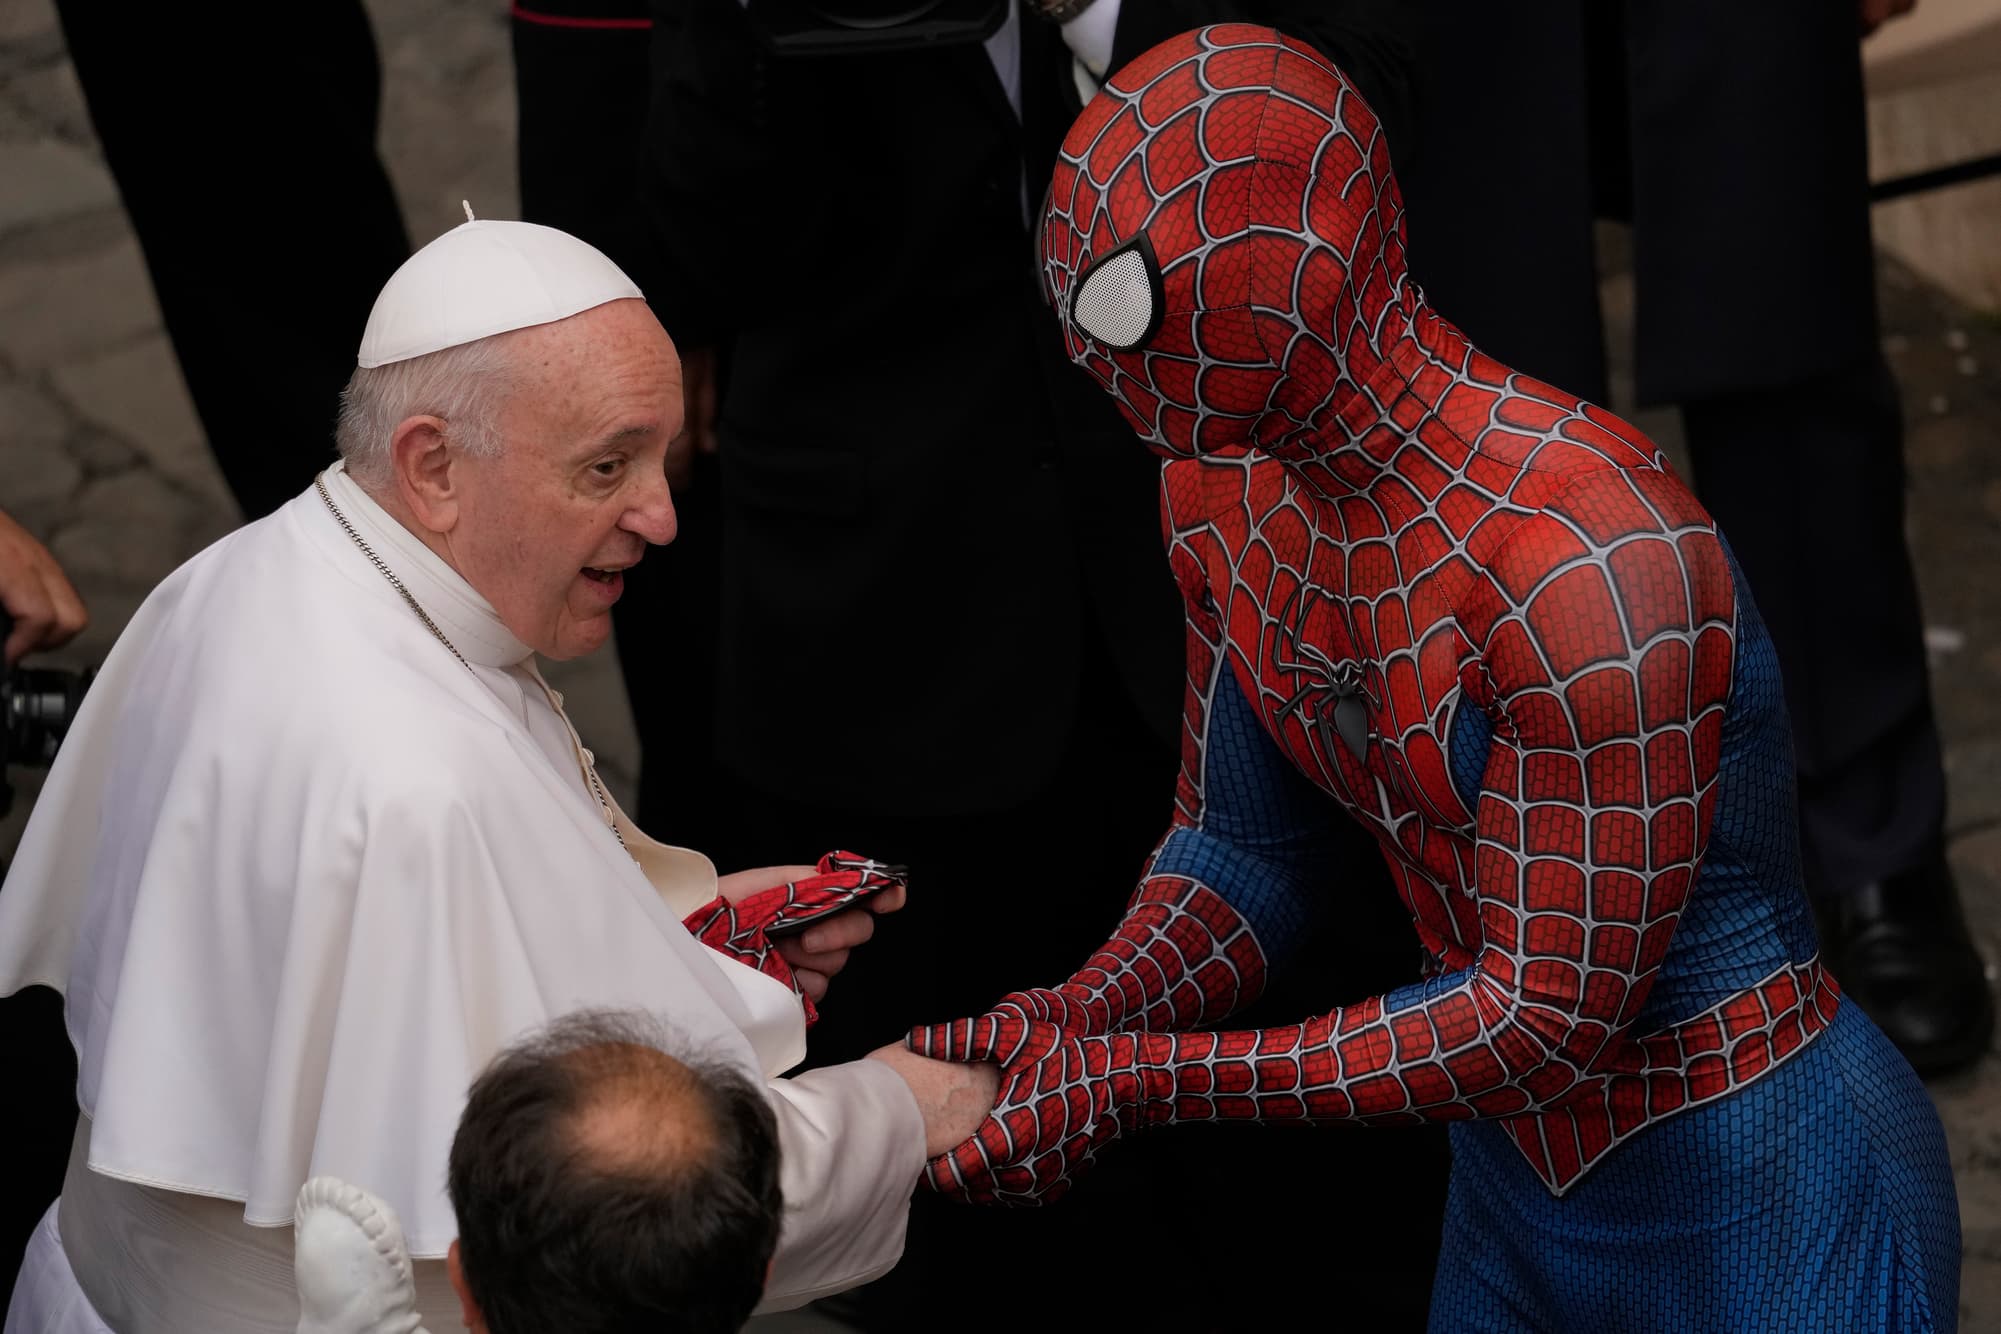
x: 1063, y: 1096
x: 1091, y: 1058
x: 744, y: 930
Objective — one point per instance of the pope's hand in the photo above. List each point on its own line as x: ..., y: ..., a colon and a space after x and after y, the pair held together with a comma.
x: 821, y: 950
x: 797, y: 923
x: 1062, y: 1097
x: 36, y: 593
x: 954, y: 1099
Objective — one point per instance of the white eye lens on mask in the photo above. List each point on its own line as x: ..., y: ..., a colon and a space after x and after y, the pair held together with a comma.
x: 1118, y: 299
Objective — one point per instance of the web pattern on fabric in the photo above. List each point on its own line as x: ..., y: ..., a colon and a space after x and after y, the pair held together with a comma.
x: 1417, y: 527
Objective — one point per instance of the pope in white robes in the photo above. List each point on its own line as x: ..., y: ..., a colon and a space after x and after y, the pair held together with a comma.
x: 321, y: 841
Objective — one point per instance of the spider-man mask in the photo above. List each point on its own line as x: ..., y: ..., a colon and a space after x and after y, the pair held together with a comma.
x: 1223, y: 241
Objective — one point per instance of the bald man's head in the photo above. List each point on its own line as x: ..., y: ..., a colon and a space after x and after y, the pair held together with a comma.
x: 602, y: 1184
x: 640, y: 1112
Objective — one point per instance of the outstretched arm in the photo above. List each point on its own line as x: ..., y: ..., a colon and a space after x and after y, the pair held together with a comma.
x: 1606, y: 665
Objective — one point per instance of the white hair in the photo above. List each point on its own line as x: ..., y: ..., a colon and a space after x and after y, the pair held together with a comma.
x: 464, y: 385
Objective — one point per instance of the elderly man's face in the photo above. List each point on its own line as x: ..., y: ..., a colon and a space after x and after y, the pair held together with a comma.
x: 578, y: 489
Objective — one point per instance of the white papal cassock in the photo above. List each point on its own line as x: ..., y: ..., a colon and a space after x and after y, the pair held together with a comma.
x: 301, y: 872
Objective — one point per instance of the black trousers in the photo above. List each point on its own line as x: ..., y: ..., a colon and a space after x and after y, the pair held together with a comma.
x: 266, y: 218
x: 1802, y: 469
x: 581, y: 87
x: 581, y: 90
x: 1807, y: 484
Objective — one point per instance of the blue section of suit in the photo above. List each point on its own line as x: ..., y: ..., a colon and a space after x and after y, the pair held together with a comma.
x: 1820, y: 1197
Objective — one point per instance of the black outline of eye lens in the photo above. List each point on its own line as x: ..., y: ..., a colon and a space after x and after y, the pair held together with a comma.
x: 1151, y: 264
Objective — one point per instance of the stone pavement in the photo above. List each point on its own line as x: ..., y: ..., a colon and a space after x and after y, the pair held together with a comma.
x: 101, y: 454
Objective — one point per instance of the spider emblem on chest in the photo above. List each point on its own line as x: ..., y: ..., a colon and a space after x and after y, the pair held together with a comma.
x: 1333, y: 698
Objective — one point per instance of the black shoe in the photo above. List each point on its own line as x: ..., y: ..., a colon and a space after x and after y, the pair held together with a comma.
x: 1900, y: 949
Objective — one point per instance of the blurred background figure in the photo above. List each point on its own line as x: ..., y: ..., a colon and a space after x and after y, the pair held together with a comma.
x: 582, y: 88
x: 940, y: 551
x: 1733, y: 138
x: 39, y: 609
x: 236, y: 170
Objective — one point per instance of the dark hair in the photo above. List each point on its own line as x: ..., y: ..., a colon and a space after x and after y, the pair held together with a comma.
x: 566, y: 1227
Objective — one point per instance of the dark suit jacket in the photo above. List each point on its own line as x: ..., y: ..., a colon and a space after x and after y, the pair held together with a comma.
x: 928, y: 513
x: 1732, y: 136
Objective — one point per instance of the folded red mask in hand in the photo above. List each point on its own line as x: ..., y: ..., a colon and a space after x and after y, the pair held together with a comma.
x: 749, y: 930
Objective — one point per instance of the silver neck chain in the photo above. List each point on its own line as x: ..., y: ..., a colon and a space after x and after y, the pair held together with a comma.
x: 319, y: 484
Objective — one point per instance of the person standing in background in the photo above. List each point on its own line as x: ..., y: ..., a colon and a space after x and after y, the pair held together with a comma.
x: 1733, y: 137
x: 40, y: 609
x: 232, y: 169
x: 581, y: 72
x: 939, y: 554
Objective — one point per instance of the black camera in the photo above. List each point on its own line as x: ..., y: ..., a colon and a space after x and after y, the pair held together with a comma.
x: 842, y: 27
x: 37, y: 705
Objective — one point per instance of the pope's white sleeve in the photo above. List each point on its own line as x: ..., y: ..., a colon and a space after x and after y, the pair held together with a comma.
x: 853, y: 1146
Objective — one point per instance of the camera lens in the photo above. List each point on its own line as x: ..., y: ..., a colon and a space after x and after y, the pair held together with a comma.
x: 40, y: 705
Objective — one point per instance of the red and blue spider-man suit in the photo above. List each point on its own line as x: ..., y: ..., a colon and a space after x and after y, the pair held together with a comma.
x: 1486, y: 620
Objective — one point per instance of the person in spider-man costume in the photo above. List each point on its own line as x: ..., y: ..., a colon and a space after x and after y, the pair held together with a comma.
x: 1486, y: 620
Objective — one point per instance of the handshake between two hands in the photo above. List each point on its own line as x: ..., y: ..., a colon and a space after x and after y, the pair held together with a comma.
x: 1014, y: 1106
x: 1014, y: 1101
x: 1063, y: 1091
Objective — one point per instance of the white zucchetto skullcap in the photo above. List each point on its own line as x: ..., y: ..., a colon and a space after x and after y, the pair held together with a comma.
x: 483, y: 278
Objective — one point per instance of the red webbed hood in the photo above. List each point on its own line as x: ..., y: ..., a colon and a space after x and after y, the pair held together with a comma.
x: 1223, y: 242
